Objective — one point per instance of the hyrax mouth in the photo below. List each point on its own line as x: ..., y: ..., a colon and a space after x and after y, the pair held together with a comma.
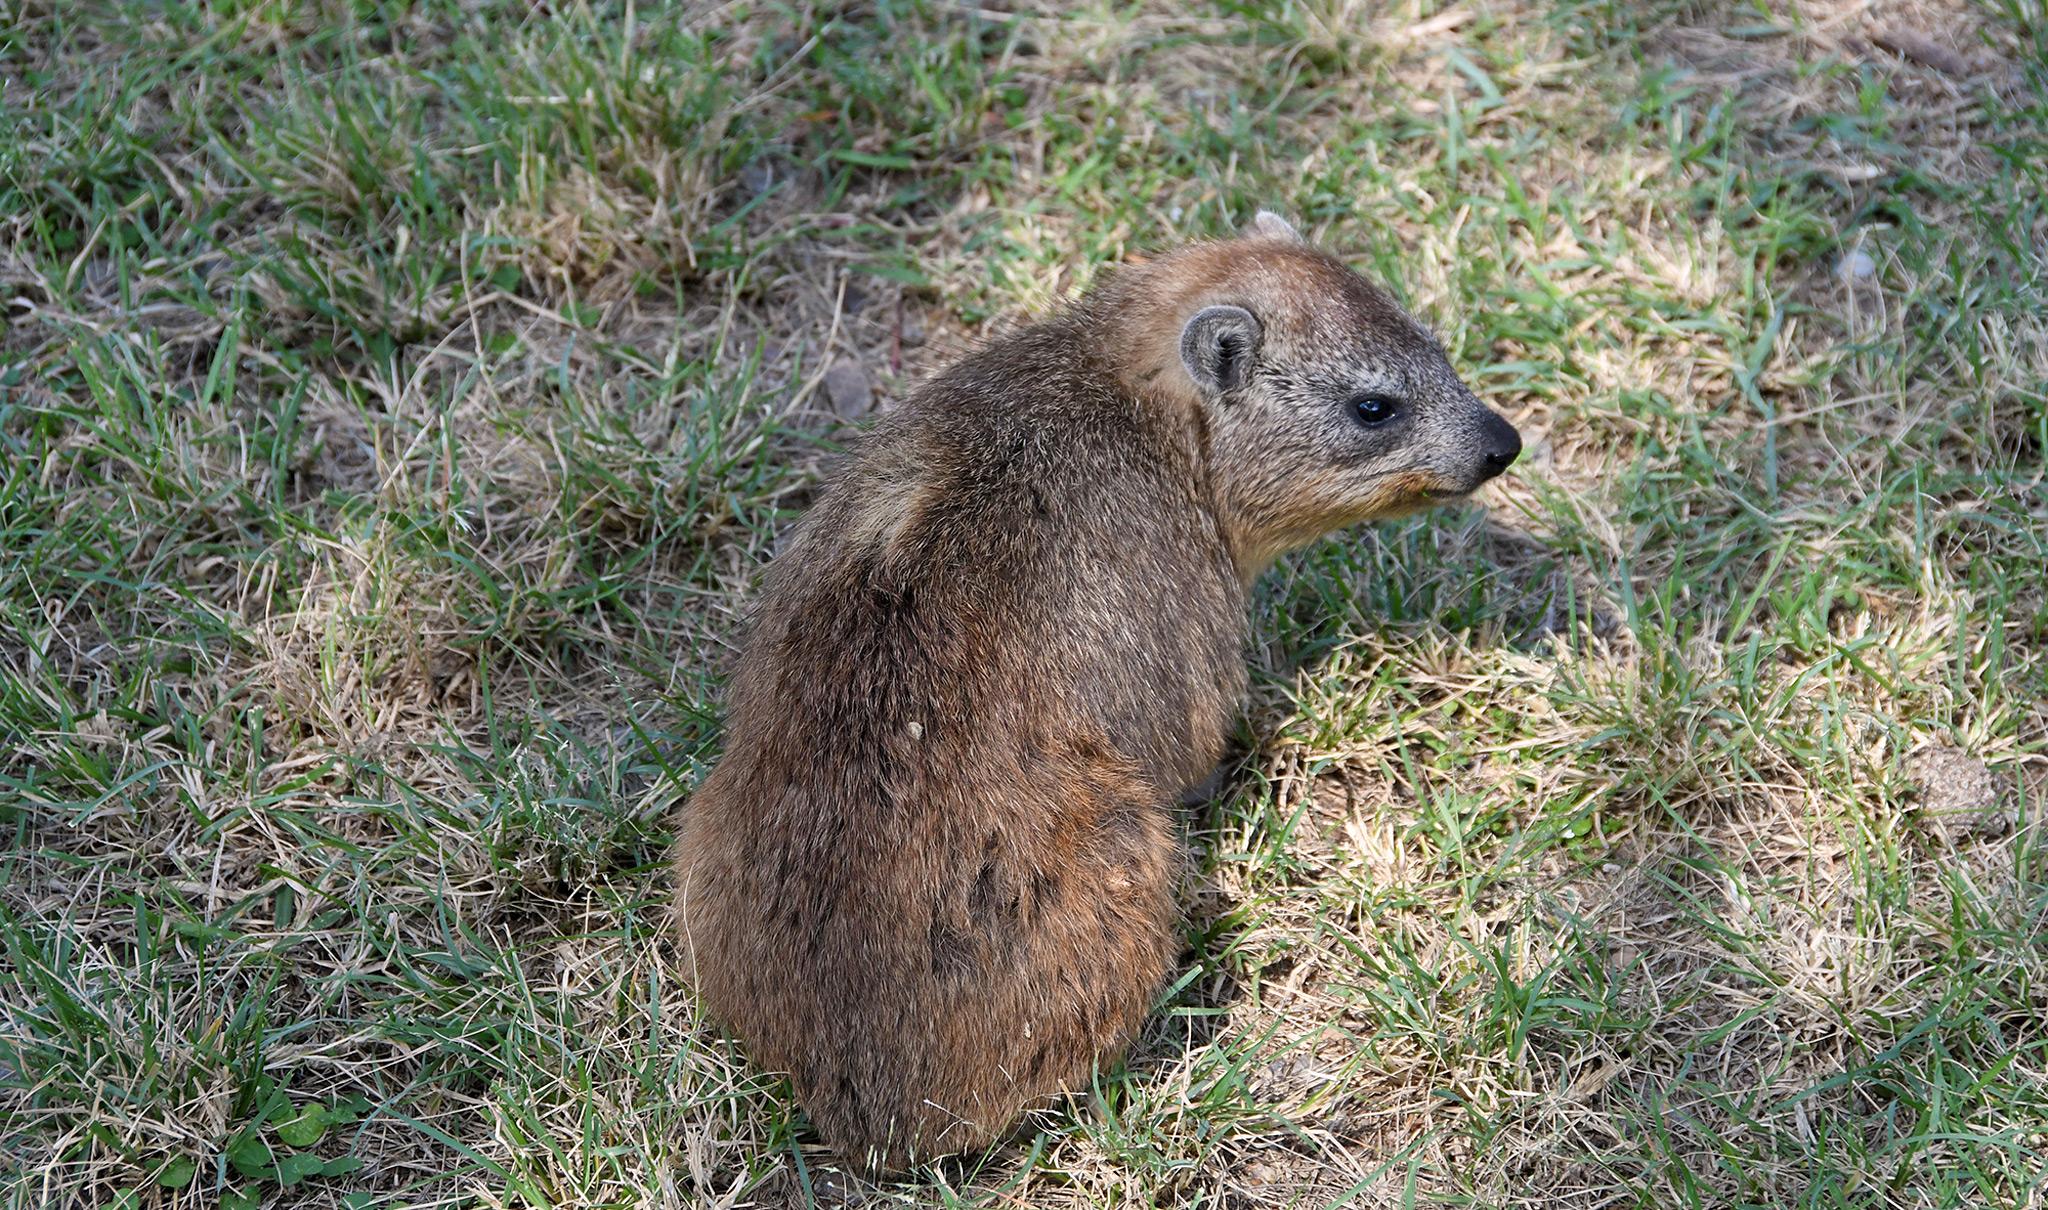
x: 1408, y: 491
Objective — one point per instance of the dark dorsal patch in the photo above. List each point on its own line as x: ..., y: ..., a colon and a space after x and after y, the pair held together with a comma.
x: 950, y: 949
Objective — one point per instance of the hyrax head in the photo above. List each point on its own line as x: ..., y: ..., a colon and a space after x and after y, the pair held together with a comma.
x: 1327, y: 404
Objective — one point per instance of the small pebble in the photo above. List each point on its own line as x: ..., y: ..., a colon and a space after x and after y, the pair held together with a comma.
x: 912, y: 328
x: 1959, y: 796
x: 1858, y: 265
x: 848, y: 390
x: 1921, y: 49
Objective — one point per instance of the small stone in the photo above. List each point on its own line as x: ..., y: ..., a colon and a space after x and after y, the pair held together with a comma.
x: 848, y: 390
x: 911, y: 330
x: 1859, y: 266
x: 1958, y: 795
x: 1919, y: 48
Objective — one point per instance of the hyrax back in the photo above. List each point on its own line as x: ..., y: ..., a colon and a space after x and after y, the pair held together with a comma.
x: 931, y: 878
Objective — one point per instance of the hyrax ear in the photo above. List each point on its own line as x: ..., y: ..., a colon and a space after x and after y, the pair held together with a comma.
x: 1218, y: 347
x: 1268, y: 225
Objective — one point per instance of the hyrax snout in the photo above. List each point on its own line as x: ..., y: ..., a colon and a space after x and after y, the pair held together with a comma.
x: 931, y: 877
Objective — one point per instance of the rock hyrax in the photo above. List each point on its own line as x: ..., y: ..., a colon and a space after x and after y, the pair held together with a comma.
x: 932, y: 876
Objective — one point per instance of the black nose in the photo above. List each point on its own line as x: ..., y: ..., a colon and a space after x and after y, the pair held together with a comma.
x: 1503, y: 444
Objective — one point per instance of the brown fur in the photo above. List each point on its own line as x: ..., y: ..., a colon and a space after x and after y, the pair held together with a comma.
x: 931, y: 877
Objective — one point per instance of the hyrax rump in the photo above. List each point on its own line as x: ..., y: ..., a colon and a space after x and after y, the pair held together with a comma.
x: 931, y: 877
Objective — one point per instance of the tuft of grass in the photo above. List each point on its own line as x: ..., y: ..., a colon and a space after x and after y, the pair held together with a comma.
x: 398, y: 401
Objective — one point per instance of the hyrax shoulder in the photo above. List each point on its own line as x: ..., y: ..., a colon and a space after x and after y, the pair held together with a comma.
x: 931, y: 877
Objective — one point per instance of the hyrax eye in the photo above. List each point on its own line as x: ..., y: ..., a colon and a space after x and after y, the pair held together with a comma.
x: 1375, y: 409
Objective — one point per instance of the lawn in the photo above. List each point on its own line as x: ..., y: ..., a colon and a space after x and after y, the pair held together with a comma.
x: 398, y: 402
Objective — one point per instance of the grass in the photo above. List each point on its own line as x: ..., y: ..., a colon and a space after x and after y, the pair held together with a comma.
x: 398, y: 400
